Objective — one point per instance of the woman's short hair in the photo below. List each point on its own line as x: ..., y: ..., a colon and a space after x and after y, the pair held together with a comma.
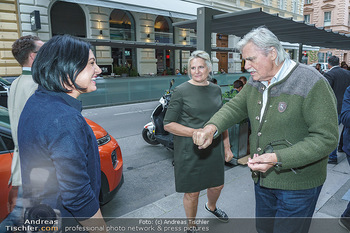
x: 59, y: 62
x: 265, y: 40
x: 205, y: 56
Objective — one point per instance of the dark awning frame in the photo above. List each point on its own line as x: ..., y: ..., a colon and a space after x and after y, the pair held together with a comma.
x: 146, y: 45
x: 286, y: 29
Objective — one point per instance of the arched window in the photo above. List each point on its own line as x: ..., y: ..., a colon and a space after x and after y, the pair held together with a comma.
x: 122, y: 26
x: 74, y: 25
x: 163, y: 33
x: 163, y: 30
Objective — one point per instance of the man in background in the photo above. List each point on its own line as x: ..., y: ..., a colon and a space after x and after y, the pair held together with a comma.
x: 24, y: 50
x: 339, y: 79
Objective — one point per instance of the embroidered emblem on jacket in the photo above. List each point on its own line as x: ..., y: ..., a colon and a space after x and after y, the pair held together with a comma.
x: 282, y: 106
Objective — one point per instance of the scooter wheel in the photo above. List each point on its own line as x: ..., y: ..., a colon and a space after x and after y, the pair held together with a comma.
x: 149, y: 138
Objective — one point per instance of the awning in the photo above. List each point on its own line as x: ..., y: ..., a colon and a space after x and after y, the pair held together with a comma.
x: 286, y: 29
x: 170, y: 8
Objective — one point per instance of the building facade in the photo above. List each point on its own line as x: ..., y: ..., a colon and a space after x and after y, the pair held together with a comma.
x: 132, y: 20
x: 329, y: 14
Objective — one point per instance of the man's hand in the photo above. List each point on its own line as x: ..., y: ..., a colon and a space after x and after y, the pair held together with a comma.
x: 263, y: 162
x: 12, y: 198
x: 204, y: 137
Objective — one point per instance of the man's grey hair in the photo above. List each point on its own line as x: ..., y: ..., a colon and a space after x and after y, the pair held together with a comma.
x: 265, y: 40
x: 205, y: 56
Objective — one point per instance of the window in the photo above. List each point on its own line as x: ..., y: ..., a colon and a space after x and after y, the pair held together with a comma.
x: 307, y: 19
x: 122, y: 26
x: 307, y: 1
x: 295, y: 7
x: 6, y: 144
x: 327, y: 18
x: 282, y: 4
x: 163, y: 30
x: 267, y: 2
x: 74, y: 25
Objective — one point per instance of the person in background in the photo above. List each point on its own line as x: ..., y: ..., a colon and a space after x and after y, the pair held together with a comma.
x: 177, y: 72
x: 60, y: 161
x: 185, y: 72
x: 222, y: 71
x: 344, y: 65
x: 192, y: 104
x: 293, y: 131
x: 24, y: 51
x: 339, y: 79
x: 344, y: 220
x: 243, y: 79
x: 238, y: 85
x: 318, y: 67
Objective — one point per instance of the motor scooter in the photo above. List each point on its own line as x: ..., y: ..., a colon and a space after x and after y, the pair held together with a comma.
x: 153, y: 132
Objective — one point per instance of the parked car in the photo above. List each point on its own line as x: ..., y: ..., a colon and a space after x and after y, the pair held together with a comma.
x: 110, y: 157
x: 4, y: 90
x: 324, y: 66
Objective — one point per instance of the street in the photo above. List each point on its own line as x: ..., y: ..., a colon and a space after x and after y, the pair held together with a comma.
x: 148, y: 170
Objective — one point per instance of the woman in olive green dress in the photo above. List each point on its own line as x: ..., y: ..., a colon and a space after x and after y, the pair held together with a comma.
x: 192, y: 104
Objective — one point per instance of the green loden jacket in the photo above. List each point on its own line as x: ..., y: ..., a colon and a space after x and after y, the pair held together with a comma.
x: 300, y: 124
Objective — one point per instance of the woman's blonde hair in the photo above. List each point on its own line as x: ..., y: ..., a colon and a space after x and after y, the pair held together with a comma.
x: 205, y: 56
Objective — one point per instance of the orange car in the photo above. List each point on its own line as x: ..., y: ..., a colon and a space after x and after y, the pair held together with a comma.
x: 110, y: 157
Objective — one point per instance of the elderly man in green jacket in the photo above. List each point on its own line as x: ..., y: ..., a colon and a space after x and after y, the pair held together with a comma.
x: 293, y: 116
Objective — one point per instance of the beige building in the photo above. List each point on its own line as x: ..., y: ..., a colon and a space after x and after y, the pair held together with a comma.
x: 330, y: 14
x: 132, y: 20
x: 9, y: 32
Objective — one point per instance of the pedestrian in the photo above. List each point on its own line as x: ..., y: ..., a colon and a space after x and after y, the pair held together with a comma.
x: 177, y: 72
x: 243, y: 79
x: 192, y: 104
x: 344, y: 65
x: 292, y: 112
x: 24, y: 51
x: 344, y: 220
x: 339, y: 79
x: 60, y: 160
x: 237, y: 86
x: 318, y: 67
x: 185, y: 71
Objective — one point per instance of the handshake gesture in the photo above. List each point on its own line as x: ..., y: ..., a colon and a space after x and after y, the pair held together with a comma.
x: 204, y: 137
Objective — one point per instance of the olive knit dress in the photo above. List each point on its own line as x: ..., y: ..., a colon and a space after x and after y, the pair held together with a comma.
x: 196, y: 169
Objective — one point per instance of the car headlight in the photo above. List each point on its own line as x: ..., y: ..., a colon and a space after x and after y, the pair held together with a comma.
x: 104, y: 140
x: 114, y: 158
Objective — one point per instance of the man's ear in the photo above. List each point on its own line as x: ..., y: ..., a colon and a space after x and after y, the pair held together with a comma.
x: 273, y: 53
x: 31, y: 58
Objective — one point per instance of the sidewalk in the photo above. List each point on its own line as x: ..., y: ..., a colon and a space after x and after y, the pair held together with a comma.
x: 237, y: 199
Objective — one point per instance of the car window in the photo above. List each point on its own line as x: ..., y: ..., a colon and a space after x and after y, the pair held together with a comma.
x: 6, y: 144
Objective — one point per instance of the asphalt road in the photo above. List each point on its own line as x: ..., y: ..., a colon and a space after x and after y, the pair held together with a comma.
x: 148, y: 170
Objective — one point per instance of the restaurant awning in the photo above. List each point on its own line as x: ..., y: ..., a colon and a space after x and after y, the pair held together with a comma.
x: 286, y: 29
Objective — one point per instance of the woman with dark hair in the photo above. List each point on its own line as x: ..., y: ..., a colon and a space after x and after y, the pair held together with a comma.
x: 58, y: 150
